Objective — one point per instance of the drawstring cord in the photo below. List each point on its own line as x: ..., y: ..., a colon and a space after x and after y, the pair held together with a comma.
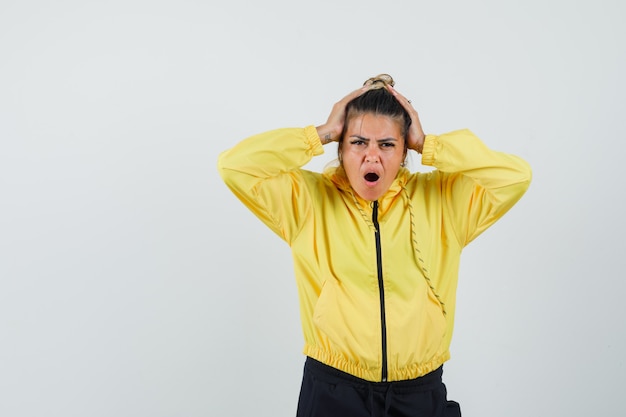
x: 388, y: 399
x: 363, y: 214
x: 416, y: 248
x: 418, y: 252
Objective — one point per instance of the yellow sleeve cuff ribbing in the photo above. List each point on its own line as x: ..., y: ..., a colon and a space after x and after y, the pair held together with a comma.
x: 315, y: 144
x: 428, y: 150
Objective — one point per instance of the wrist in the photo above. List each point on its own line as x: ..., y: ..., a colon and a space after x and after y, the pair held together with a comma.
x: 326, y: 134
x: 418, y: 146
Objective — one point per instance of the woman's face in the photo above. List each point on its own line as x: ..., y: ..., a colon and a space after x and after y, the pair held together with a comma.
x: 372, y: 153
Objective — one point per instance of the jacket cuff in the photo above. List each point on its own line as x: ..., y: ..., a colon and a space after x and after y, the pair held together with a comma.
x: 428, y: 150
x: 314, y: 141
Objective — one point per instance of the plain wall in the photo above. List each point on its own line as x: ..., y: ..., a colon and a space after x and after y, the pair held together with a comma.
x: 133, y: 283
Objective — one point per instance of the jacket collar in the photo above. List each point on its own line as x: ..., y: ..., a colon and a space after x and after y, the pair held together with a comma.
x: 338, y: 176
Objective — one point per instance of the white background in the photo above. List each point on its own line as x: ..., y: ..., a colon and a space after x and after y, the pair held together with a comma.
x: 132, y: 283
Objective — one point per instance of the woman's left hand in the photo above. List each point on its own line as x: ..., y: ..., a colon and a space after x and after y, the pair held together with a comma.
x: 415, y: 137
x: 332, y: 129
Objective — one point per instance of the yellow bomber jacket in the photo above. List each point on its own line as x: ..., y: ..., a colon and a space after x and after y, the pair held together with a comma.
x: 376, y: 281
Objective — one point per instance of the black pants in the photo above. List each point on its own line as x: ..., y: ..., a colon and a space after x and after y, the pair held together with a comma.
x: 329, y: 392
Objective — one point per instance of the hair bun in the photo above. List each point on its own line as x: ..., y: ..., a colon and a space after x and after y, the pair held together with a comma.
x: 380, y: 81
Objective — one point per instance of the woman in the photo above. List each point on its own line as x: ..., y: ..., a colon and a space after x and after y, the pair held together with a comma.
x: 376, y: 248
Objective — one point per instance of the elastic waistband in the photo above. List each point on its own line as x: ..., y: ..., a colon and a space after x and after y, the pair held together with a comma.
x: 334, y: 375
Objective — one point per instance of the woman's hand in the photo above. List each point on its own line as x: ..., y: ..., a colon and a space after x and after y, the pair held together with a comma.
x: 332, y: 129
x: 415, y: 137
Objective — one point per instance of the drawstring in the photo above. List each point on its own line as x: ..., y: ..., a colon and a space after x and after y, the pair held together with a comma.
x: 418, y: 253
x: 365, y: 216
x: 388, y: 399
x: 421, y: 262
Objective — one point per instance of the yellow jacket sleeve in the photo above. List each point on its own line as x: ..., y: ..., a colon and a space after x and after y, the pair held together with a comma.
x: 263, y: 172
x: 478, y: 185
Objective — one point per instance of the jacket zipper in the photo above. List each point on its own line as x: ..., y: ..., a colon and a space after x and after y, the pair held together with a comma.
x: 381, y: 291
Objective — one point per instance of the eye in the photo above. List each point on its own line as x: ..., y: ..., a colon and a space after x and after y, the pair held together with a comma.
x: 357, y: 142
x: 387, y: 145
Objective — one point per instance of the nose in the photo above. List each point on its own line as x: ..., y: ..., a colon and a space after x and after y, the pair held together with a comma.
x: 372, y: 153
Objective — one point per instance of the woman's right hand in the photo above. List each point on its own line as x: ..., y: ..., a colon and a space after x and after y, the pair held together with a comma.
x: 415, y: 137
x: 331, y: 130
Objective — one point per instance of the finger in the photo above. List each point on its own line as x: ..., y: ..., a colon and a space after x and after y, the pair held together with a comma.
x: 406, y: 103
x: 416, y: 129
x: 356, y: 93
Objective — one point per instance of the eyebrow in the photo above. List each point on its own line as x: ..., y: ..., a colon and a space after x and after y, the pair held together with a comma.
x: 383, y: 140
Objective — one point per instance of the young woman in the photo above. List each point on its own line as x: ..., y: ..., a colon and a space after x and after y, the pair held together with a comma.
x: 376, y: 248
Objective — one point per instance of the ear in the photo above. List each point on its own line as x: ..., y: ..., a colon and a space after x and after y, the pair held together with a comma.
x: 406, y: 149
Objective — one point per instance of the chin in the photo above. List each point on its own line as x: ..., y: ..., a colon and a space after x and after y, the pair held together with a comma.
x: 369, y: 195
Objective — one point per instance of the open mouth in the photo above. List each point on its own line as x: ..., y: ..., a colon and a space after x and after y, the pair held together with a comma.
x: 371, y: 177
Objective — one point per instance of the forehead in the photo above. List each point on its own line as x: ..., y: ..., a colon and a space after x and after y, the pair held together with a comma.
x: 374, y: 126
